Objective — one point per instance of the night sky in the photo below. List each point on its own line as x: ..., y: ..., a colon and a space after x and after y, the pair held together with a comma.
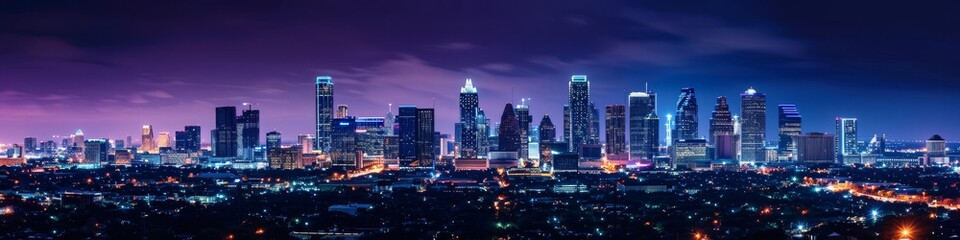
x: 108, y: 68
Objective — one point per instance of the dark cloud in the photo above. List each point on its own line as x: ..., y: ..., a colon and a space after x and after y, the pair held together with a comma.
x: 101, y: 65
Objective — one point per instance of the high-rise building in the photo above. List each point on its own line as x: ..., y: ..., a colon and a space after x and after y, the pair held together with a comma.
x: 686, y: 123
x: 616, y: 124
x: 846, y: 138
x: 370, y: 136
x: 468, y: 134
x: 425, y: 143
x: 523, y: 123
x: 225, y: 134
x: 815, y: 148
x: 342, y: 111
x: 248, y: 126
x: 29, y: 144
x: 389, y: 121
x: 579, y: 100
x: 650, y: 136
x: 95, y: 151
x: 483, y: 134
x: 669, y: 129
x: 878, y: 144
x: 737, y: 134
x: 642, y: 144
x: 936, y: 151
x: 593, y: 138
x: 548, y: 135
x: 721, y: 121
x: 285, y: 158
x: 129, y: 141
x: 391, y: 147
x: 324, y: 112
x: 509, y: 132
x: 273, y: 140
x: 147, y: 142
x: 407, y: 119
x: 721, y: 131
x: 790, y: 127
x: 117, y: 144
x: 343, y: 148
x: 163, y: 140
x: 754, y: 125
x: 566, y: 124
x: 78, y: 139
x: 689, y: 153
x: 188, y: 140
x: 306, y: 143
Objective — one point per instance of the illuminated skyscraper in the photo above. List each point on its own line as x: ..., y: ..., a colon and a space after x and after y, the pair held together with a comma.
x: 469, y: 107
x: 566, y: 124
x: 643, y: 137
x: 389, y: 121
x: 95, y: 151
x: 343, y: 148
x: 225, y: 134
x: 370, y: 136
x: 248, y: 125
x: 509, y: 132
x: 616, y: 124
x: 790, y: 127
x: 668, y: 140
x: 29, y: 145
x: 721, y: 131
x: 324, y: 112
x: 306, y: 143
x: 426, y: 142
x: 594, y: 129
x: 523, y: 122
x: 754, y: 125
x: 686, y: 123
x: 483, y: 134
x: 936, y: 153
x: 163, y: 140
x: 147, y: 142
x: 548, y: 135
x: 342, y: 111
x: 78, y: 139
x: 407, y: 134
x: 846, y: 139
x: 274, y: 139
x: 580, y: 114
x: 188, y: 140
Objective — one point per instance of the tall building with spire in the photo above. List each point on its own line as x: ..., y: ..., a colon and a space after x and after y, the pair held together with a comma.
x: 523, y: 122
x: 642, y: 143
x: 580, y: 111
x: 753, y: 107
x: 721, y: 121
x: 790, y: 128
x: 509, y: 131
x: 686, y: 122
x: 468, y: 137
x: 324, y: 112
x: 616, y: 129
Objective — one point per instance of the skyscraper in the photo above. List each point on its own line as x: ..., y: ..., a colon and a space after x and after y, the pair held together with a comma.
x: 790, y: 127
x: 248, y: 125
x: 523, y: 122
x: 273, y: 140
x: 936, y: 153
x: 342, y: 111
x: 29, y: 145
x: 642, y: 143
x: 225, y: 134
x: 425, y: 132
x: 566, y: 124
x: 95, y: 151
x: 163, y: 140
x: 469, y: 107
x: 616, y: 124
x: 668, y: 140
x: 650, y: 136
x: 579, y: 98
x: 147, y: 143
x: 509, y: 131
x: 721, y: 121
x: 594, y: 133
x: 754, y: 125
x: 815, y: 148
x: 389, y: 121
x: 721, y: 131
x: 343, y: 145
x: 306, y: 143
x: 188, y: 140
x: 483, y: 134
x: 846, y: 139
x: 407, y: 119
x: 686, y: 123
x: 548, y: 135
x: 324, y: 112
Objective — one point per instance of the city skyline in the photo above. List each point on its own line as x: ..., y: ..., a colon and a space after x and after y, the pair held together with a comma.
x: 153, y: 82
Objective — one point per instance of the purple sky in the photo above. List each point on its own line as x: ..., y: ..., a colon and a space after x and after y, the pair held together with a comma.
x: 111, y: 67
